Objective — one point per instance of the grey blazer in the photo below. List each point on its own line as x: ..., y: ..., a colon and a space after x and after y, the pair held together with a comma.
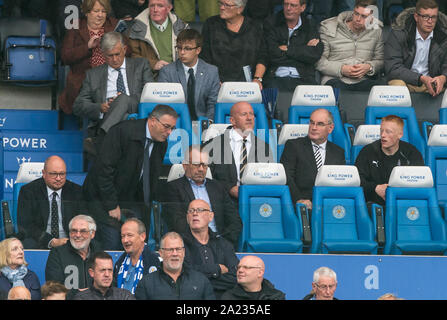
x: 94, y: 88
x: 207, y: 84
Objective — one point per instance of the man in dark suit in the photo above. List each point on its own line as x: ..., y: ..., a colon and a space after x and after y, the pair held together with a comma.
x: 237, y: 146
x: 204, y: 84
x: 111, y: 91
x: 46, y: 206
x: 194, y: 185
x: 126, y: 172
x: 302, y: 157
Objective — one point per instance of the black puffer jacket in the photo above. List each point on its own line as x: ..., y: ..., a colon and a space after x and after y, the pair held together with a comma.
x: 400, y: 49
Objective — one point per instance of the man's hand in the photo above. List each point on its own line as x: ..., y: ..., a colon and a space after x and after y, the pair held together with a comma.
x: 140, y: 2
x: 259, y: 83
x: 440, y: 82
x: 160, y: 64
x: 223, y: 269
x: 381, y: 190
x: 116, y: 213
x: 234, y: 192
x: 283, y: 47
x: 356, y: 71
x: 307, y: 203
x: 58, y: 242
x: 427, y: 81
x: 313, y: 42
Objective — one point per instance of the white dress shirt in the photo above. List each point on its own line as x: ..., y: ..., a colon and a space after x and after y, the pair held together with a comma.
x: 420, y: 63
x: 236, y: 146
x: 322, y: 150
x: 62, y: 233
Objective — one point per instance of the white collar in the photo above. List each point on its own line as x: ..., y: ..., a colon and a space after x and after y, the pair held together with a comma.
x: 50, y: 192
x: 321, y: 146
x: 419, y: 37
x: 194, y: 67
x: 162, y: 27
x: 123, y: 67
x: 235, y: 136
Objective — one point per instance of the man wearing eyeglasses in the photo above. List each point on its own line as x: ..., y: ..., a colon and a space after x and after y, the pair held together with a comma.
x: 200, y: 80
x: 67, y: 264
x: 123, y: 180
x: 46, y: 205
x: 251, y: 284
x: 153, y: 34
x: 324, y: 285
x: 303, y: 157
x: 294, y: 47
x: 353, y: 48
x: 194, y: 185
x: 174, y: 280
x: 416, y: 50
x: 206, y: 251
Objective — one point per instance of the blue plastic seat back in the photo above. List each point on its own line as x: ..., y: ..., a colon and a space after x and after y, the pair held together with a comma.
x: 339, y: 219
x: 413, y: 220
x: 265, y: 218
x: 436, y: 159
x: 443, y: 115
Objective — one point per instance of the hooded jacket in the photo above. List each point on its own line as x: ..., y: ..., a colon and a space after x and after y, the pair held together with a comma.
x: 400, y: 49
x: 344, y: 47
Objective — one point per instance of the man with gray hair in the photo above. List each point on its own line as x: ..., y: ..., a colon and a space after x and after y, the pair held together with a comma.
x: 324, y: 285
x: 67, y: 264
x: 111, y: 91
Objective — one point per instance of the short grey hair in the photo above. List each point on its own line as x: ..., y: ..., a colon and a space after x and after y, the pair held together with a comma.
x: 324, y: 272
x: 110, y: 39
x: 240, y: 3
x: 330, y: 116
x: 91, y: 222
x: 172, y: 235
x: 140, y: 224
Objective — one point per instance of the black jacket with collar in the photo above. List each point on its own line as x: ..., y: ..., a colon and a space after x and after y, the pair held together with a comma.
x: 268, y: 292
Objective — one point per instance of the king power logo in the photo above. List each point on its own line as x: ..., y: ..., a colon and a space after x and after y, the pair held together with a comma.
x: 23, y: 160
x: 2, y: 122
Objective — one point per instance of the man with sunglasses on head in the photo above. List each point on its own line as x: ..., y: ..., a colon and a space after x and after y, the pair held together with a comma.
x: 194, y: 185
x: 251, y: 284
x: 46, y: 205
x: 353, y: 48
x: 416, y: 50
x: 200, y: 80
x: 124, y: 178
x: 174, y: 280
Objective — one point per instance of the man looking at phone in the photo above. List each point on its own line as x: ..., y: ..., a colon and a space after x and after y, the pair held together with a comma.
x: 415, y: 52
x: 111, y: 91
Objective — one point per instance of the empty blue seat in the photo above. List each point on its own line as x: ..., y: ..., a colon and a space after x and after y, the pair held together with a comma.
x: 395, y: 100
x: 306, y: 99
x: 269, y: 219
x: 443, y: 110
x: 436, y: 159
x: 413, y: 220
x: 340, y: 221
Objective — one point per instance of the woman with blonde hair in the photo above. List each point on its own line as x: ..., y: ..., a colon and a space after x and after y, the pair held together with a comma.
x: 14, y: 270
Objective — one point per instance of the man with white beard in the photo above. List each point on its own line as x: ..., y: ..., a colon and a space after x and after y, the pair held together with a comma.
x: 67, y: 264
x: 174, y: 281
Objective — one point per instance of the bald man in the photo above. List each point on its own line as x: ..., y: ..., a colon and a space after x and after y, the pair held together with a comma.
x: 19, y: 293
x: 46, y: 205
x: 251, y: 284
x: 226, y: 150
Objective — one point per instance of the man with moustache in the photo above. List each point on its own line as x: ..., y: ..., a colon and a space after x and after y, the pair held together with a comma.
x: 101, y: 271
x: 377, y: 159
x: 137, y: 260
x: 67, y: 264
x: 174, y: 280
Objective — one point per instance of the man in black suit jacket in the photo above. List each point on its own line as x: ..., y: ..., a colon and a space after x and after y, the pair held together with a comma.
x: 299, y: 160
x: 194, y: 185
x: 226, y: 150
x: 103, y: 99
x: 116, y: 179
x: 34, y: 214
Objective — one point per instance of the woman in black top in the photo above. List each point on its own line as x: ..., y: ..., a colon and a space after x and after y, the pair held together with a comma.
x: 232, y: 41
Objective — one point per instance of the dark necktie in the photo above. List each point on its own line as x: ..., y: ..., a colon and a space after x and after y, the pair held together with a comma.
x: 54, y: 217
x: 243, y: 163
x: 190, y: 94
x: 146, y: 177
x: 120, y: 82
x: 318, y: 159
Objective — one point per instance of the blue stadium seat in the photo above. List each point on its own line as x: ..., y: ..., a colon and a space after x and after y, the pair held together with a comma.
x: 290, y: 131
x: 233, y: 92
x: 269, y: 219
x: 365, y: 134
x: 170, y: 94
x: 395, y: 100
x: 37, y: 120
x: 340, y: 221
x: 413, y: 220
x: 436, y: 159
x: 306, y: 99
x: 443, y: 110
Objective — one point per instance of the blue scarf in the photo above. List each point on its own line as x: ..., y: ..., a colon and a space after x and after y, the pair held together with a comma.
x: 123, y: 274
x: 15, y: 276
